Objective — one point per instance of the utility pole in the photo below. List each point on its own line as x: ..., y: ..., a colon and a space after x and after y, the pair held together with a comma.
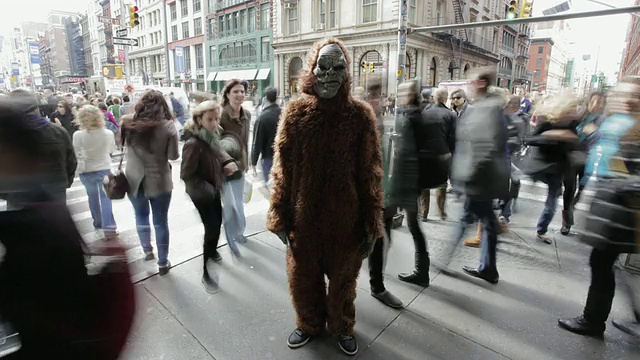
x: 166, y: 41
x: 123, y: 24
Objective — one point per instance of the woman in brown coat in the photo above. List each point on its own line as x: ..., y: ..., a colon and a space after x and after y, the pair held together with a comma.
x: 204, y: 165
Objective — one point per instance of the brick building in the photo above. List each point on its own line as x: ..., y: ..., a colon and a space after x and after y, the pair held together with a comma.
x: 540, y: 62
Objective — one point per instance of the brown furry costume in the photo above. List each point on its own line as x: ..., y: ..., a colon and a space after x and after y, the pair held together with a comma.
x: 327, y: 195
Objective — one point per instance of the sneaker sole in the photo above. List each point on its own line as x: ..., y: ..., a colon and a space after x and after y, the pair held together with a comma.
x: 207, y: 289
x: 350, y: 353
x: 296, y: 346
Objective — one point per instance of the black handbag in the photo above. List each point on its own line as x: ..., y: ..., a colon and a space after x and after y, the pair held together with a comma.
x: 115, y: 184
x: 614, y: 217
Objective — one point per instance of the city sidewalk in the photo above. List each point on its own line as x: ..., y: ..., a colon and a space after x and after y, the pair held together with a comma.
x: 457, y: 317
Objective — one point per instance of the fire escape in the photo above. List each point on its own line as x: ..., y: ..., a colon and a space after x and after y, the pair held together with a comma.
x: 457, y: 40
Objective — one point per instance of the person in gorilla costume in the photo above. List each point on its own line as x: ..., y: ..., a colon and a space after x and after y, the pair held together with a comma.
x: 326, y: 204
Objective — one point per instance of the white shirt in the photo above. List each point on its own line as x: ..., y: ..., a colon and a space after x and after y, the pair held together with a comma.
x: 93, y: 149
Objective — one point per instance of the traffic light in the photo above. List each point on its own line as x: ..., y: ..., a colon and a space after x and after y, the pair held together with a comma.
x: 526, y: 9
x: 133, y: 16
x: 364, y: 67
x: 371, y: 67
x: 512, y: 10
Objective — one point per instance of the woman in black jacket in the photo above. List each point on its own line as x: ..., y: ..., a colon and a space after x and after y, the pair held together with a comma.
x: 556, y: 157
x: 204, y: 165
x: 64, y: 117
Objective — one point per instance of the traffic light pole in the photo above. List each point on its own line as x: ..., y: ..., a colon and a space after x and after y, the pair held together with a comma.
x: 123, y: 23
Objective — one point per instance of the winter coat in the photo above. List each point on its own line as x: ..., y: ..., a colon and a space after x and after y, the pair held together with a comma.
x: 403, y: 187
x: 148, y: 164
x: 611, y: 223
x: 439, y: 123
x: 58, y: 165
x: 327, y: 172
x: 202, y: 168
x: 480, y: 162
x: 264, y: 133
x: 66, y: 121
x: 549, y: 157
x: 239, y: 127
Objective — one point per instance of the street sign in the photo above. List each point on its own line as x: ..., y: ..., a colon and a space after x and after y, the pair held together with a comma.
x: 108, y: 20
x: 121, y: 32
x: 125, y: 41
x: 121, y: 55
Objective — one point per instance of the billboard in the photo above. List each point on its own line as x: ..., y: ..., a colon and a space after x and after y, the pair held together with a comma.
x: 178, y: 54
x: 15, y: 68
x: 34, y: 52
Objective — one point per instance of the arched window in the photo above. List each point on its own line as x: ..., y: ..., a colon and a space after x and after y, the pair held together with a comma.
x: 433, y: 72
x: 295, y: 67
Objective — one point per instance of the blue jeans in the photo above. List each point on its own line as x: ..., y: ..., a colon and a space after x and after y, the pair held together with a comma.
x: 266, y: 168
x: 99, y: 203
x: 555, y: 184
x: 483, y: 210
x: 233, y: 211
x: 160, y: 207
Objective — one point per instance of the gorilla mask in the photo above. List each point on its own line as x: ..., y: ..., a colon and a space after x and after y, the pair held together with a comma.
x: 330, y: 71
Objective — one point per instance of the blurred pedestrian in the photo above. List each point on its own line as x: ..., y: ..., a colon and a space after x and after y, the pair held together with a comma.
x: 64, y: 117
x: 115, y: 109
x: 264, y: 133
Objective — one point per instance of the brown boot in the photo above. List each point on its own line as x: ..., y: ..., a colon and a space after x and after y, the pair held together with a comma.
x: 474, y: 241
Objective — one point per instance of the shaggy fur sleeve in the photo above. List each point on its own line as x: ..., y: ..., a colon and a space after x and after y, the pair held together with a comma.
x: 280, y: 215
x: 370, y: 176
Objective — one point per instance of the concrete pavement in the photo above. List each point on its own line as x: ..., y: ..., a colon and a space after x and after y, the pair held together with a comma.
x: 457, y: 317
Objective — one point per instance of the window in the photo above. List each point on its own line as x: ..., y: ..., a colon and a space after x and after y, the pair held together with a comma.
x: 252, y: 19
x: 265, y: 49
x: 221, y: 26
x: 174, y: 33
x: 184, y: 8
x: 413, y: 11
x: 369, y: 11
x: 174, y: 13
x: 197, y: 26
x: 536, y: 86
x: 213, y: 56
x: 264, y: 16
x: 332, y: 14
x: 197, y: 5
x: 539, y: 62
x: 243, y: 21
x: 199, y: 59
x: 440, y: 8
x: 540, y: 49
x: 187, y: 58
x: 185, y: 29
x: 537, y: 75
x: 292, y: 16
x: 211, y: 28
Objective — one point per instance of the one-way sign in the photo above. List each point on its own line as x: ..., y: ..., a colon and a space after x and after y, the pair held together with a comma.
x: 121, y: 32
x: 125, y: 41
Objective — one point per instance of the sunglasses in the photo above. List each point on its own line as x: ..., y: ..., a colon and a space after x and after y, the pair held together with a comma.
x: 456, y: 98
x: 60, y: 106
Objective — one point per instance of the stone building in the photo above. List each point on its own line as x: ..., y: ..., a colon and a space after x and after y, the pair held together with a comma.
x: 369, y: 30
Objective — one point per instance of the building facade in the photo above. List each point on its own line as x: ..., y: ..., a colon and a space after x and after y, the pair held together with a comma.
x: 630, y: 65
x: 239, y: 43
x: 185, y: 29
x: 369, y: 30
x: 540, y: 63
x: 75, y: 44
x: 86, y: 44
x: 148, y: 59
x: 514, y: 55
x: 557, y: 32
x: 58, y: 44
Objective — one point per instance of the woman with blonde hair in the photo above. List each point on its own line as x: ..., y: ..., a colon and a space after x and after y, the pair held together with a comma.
x: 204, y: 167
x: 94, y: 145
x: 555, y: 155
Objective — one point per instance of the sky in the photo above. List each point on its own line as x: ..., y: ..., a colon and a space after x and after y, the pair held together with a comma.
x: 17, y: 11
x: 606, y: 33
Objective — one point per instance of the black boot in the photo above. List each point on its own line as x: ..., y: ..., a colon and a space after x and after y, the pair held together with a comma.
x: 420, y: 276
x: 582, y: 326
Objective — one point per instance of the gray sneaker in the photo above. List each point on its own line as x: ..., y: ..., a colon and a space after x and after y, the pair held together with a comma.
x: 388, y: 299
x: 544, y: 238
